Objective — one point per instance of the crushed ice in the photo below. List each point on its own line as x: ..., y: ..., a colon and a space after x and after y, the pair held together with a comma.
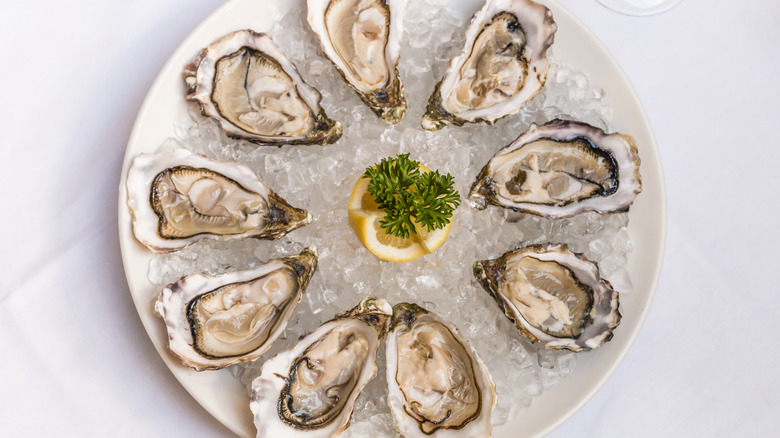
x: 320, y: 178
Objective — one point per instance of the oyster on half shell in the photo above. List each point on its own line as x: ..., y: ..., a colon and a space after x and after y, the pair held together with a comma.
x: 363, y: 40
x: 503, y: 65
x: 216, y: 321
x: 438, y: 386
x: 244, y: 82
x: 177, y: 198
x: 553, y: 296
x: 561, y: 169
x: 310, y: 390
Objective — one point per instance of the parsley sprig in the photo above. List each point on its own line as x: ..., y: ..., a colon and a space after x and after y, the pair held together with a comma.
x: 407, y: 195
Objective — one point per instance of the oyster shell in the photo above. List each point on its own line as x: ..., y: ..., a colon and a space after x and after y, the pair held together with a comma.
x: 216, y: 321
x: 177, y: 198
x: 245, y: 83
x: 560, y: 169
x: 553, y: 296
x: 310, y: 390
x: 503, y: 65
x: 438, y: 386
x: 363, y: 40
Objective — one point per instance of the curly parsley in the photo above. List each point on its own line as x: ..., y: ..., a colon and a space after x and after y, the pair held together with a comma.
x: 407, y: 195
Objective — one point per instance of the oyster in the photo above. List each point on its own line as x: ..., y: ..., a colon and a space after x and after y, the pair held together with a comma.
x: 438, y: 386
x: 216, y: 321
x: 503, y: 65
x: 177, y: 198
x: 310, y: 389
x: 363, y: 40
x: 245, y: 83
x: 560, y: 169
x: 553, y: 296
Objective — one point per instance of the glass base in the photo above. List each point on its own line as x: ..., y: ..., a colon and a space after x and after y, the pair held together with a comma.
x: 640, y: 7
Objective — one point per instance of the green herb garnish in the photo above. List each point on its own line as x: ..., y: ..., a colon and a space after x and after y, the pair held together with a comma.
x: 407, y: 195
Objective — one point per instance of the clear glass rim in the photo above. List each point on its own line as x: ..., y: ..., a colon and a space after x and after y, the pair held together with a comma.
x: 640, y: 7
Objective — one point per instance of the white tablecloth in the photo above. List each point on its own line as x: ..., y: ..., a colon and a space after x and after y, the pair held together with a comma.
x: 76, y: 361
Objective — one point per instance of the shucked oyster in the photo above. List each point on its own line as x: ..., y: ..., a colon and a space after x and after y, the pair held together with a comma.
x: 561, y: 169
x: 310, y: 390
x: 216, y: 321
x: 503, y: 65
x: 438, y: 386
x: 178, y: 198
x: 553, y: 296
x: 245, y: 83
x: 363, y: 40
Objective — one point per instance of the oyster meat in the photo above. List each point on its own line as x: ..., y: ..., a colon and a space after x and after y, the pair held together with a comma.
x: 244, y: 82
x: 216, y: 321
x: 177, y: 198
x: 310, y: 390
x: 553, y: 296
x: 560, y: 169
x: 363, y: 40
x: 503, y: 65
x: 438, y: 386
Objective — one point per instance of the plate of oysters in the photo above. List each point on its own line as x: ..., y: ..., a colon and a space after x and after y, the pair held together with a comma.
x: 432, y: 218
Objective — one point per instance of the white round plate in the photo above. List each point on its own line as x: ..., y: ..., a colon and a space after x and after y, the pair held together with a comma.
x: 226, y: 399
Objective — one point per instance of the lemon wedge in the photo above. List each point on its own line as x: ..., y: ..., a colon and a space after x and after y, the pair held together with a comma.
x: 364, y: 217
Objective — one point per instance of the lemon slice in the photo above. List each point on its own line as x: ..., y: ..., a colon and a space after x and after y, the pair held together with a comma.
x: 364, y: 217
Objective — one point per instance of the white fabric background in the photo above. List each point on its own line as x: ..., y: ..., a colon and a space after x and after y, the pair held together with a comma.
x: 76, y: 361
